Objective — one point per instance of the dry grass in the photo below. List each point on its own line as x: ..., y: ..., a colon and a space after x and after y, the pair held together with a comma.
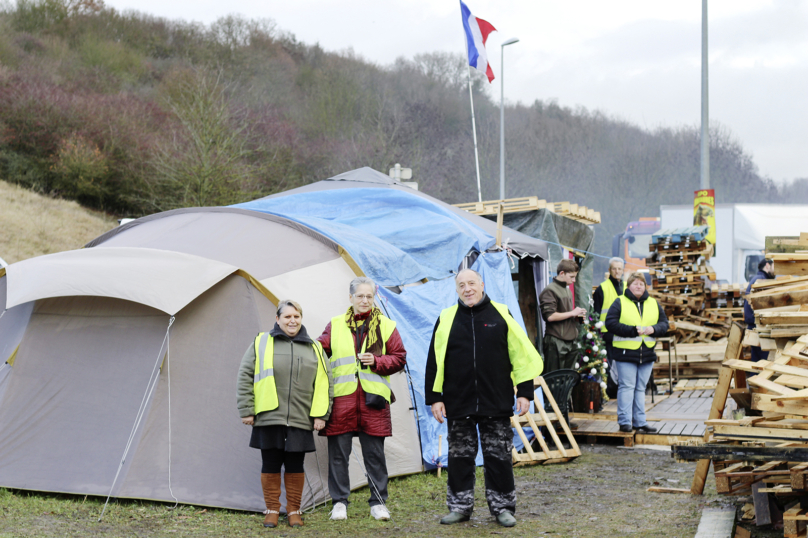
x: 33, y: 225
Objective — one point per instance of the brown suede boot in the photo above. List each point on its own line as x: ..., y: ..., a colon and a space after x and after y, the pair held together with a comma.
x: 271, y: 484
x: 294, y: 494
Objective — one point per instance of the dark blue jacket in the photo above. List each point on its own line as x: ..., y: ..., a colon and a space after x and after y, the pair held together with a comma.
x: 748, y: 313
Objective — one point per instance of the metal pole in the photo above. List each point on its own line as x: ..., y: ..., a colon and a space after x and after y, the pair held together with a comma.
x: 502, y: 117
x: 474, y: 130
x: 502, y: 123
x: 705, y: 105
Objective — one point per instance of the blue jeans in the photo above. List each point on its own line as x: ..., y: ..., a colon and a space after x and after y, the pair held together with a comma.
x: 631, y: 382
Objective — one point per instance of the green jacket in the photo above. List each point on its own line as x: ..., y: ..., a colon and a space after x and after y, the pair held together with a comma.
x: 295, y: 366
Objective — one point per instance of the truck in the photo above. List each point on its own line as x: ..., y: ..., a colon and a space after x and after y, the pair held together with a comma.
x: 632, y: 244
x: 741, y: 230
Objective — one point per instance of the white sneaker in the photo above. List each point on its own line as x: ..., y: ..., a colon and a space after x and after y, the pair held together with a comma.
x: 379, y: 512
x: 339, y: 512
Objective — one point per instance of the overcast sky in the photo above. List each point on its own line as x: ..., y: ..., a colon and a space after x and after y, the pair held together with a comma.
x: 639, y: 60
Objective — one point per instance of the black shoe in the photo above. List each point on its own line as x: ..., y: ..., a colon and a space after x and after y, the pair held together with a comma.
x: 647, y: 429
x: 625, y: 428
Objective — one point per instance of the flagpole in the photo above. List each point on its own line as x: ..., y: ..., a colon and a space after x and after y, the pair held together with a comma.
x: 474, y: 130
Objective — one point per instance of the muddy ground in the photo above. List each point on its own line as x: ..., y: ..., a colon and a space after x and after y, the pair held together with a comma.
x: 601, y: 494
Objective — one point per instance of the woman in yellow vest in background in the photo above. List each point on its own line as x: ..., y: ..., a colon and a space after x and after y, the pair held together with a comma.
x: 365, y: 350
x: 285, y: 391
x: 635, y: 320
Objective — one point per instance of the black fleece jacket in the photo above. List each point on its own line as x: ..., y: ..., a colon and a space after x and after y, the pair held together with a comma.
x: 477, y: 369
x: 613, y: 325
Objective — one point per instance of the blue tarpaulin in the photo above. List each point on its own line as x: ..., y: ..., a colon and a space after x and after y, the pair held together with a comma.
x: 399, y: 238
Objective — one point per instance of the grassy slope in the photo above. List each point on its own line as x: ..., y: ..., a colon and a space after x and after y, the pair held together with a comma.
x: 33, y: 225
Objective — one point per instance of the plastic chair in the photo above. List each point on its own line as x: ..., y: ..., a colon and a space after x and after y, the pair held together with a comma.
x: 561, y: 382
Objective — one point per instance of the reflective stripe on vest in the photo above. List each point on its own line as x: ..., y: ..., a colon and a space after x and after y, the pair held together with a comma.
x: 609, y: 296
x: 345, y: 365
x: 264, y: 388
x: 630, y: 315
x: 526, y: 362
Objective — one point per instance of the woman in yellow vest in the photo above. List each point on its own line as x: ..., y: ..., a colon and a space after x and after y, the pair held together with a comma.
x: 635, y: 320
x: 285, y: 391
x: 365, y: 350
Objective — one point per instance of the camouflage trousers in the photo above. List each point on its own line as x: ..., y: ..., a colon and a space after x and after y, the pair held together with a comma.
x: 496, y: 438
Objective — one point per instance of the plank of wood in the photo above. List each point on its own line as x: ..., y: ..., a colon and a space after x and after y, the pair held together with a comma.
x: 785, y: 318
x: 790, y: 370
x: 784, y: 298
x: 781, y: 280
x: 769, y: 385
x: 719, y: 401
x: 739, y: 432
x: 798, y: 395
x: 655, y: 489
x: 764, y: 402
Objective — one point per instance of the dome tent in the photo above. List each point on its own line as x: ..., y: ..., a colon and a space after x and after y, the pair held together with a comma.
x: 89, y: 338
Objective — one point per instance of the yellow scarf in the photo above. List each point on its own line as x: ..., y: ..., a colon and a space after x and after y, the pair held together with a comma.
x: 375, y: 344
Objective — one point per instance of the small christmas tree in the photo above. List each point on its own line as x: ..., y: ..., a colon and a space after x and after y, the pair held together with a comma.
x: 592, y: 364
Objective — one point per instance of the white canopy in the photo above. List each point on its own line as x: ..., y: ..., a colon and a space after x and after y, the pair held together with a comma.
x: 161, y: 279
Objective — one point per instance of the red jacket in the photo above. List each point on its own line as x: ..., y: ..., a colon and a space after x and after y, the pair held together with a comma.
x: 349, y: 413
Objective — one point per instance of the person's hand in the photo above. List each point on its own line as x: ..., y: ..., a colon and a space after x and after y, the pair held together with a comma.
x: 319, y: 424
x: 648, y: 331
x: 249, y: 421
x: 439, y: 411
x: 522, y: 406
x: 578, y: 311
x: 367, y: 359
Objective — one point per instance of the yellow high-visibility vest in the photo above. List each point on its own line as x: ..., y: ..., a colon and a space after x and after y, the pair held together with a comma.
x: 345, y: 367
x: 630, y: 315
x: 609, y: 296
x: 526, y: 362
x: 266, y: 393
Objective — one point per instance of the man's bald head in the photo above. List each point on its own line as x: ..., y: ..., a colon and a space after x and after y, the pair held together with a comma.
x: 469, y: 285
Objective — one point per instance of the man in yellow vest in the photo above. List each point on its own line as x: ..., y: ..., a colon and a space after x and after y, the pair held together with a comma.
x: 478, y: 354
x: 606, y: 294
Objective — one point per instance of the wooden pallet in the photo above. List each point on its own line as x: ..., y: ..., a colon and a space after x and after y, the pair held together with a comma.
x: 533, y: 203
x: 542, y: 419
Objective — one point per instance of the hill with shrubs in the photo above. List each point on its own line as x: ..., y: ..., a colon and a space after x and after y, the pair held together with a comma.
x: 131, y: 114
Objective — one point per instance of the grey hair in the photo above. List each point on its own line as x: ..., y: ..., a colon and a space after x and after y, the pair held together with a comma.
x: 288, y: 302
x: 358, y: 281
x: 472, y: 270
x: 616, y: 260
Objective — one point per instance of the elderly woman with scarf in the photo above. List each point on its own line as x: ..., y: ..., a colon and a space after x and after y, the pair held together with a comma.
x: 365, y: 350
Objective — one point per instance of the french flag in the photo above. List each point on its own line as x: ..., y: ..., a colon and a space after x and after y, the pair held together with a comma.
x: 477, y: 31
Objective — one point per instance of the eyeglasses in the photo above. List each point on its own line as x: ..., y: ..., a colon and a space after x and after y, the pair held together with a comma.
x: 365, y: 297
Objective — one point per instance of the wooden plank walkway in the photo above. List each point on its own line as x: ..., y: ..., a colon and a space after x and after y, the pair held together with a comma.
x: 677, y: 417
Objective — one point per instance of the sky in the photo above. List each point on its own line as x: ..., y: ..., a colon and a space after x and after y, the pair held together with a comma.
x: 635, y: 60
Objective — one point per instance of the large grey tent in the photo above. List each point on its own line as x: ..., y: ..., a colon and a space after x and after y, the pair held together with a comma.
x: 130, y: 347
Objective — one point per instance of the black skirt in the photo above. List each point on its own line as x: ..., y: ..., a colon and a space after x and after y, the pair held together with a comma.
x: 286, y: 438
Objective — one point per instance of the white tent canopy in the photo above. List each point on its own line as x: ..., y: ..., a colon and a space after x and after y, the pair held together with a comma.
x: 161, y: 279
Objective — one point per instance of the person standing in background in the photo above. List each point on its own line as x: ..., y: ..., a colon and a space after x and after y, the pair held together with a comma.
x: 764, y: 273
x: 561, y: 318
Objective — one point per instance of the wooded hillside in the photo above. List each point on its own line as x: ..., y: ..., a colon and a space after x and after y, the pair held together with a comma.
x: 134, y: 114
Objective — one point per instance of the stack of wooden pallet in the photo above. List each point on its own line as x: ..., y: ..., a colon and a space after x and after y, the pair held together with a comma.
x: 681, y: 279
x: 765, y: 451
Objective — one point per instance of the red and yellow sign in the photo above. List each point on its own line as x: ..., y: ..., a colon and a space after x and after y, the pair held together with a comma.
x: 704, y: 212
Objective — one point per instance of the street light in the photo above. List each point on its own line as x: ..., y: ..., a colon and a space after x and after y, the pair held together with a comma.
x: 511, y: 41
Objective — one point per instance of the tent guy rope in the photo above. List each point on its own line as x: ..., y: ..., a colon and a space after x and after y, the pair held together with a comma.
x: 139, y: 417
